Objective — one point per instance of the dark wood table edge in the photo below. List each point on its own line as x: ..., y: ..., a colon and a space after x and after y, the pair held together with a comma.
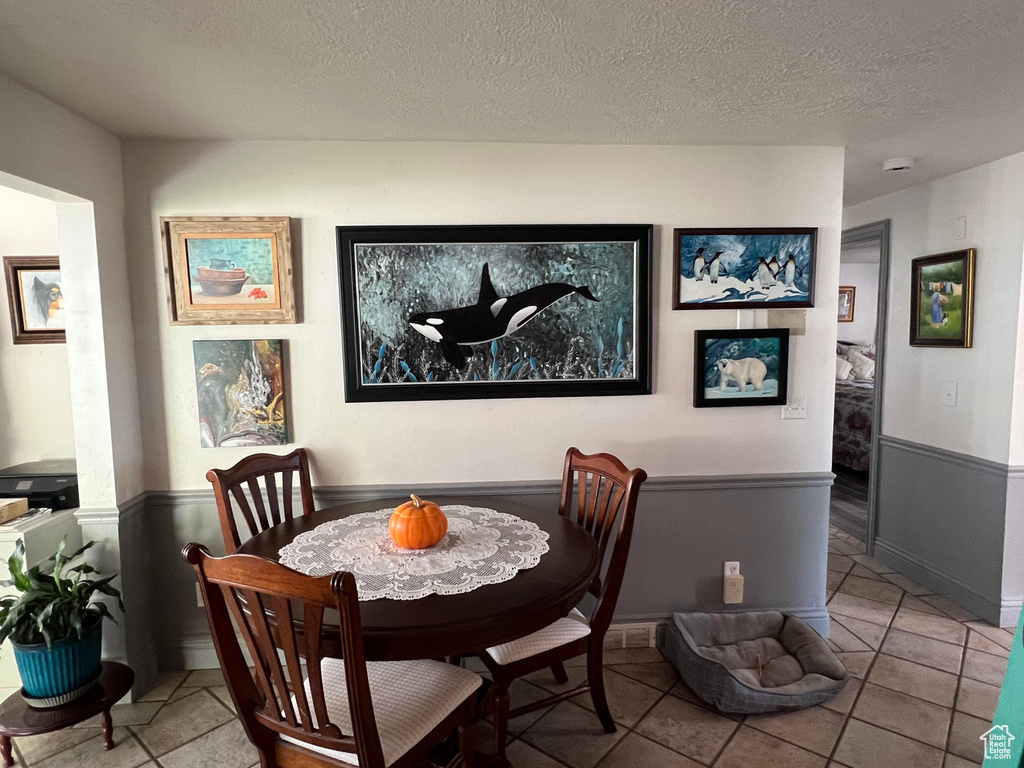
x: 381, y: 643
x: 91, y: 705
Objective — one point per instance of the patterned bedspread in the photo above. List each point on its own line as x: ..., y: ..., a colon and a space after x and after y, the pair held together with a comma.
x: 851, y: 446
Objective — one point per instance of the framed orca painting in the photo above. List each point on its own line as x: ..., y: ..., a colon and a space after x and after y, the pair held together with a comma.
x: 454, y: 312
x: 744, y: 268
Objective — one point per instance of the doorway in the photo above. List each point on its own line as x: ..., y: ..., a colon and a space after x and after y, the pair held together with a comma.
x: 860, y: 368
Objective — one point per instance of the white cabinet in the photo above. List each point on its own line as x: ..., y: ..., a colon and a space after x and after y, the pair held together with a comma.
x: 42, y: 534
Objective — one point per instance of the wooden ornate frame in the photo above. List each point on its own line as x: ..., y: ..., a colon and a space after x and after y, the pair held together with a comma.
x: 967, y: 255
x: 174, y: 233
x: 12, y: 266
x: 851, y: 290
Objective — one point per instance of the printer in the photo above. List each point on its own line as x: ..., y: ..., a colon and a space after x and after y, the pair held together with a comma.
x: 52, y: 483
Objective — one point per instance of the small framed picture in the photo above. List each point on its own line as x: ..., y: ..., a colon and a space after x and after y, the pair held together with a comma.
x: 942, y: 300
x: 741, y: 367
x: 847, y: 295
x: 228, y: 270
x: 744, y: 268
x: 36, y: 298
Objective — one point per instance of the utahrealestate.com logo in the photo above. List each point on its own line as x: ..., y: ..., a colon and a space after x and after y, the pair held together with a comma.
x: 997, y: 743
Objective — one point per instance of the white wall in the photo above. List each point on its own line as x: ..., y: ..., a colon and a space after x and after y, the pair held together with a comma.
x: 863, y: 277
x: 990, y: 376
x: 324, y: 184
x: 35, y: 388
x: 53, y: 153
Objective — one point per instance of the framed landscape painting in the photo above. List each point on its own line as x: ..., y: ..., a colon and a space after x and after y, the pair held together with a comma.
x: 240, y: 392
x: 741, y: 368
x: 228, y: 270
x: 744, y: 268
x: 36, y: 299
x: 942, y: 300
x: 453, y: 312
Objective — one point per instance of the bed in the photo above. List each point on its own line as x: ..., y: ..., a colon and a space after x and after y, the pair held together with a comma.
x: 855, y: 401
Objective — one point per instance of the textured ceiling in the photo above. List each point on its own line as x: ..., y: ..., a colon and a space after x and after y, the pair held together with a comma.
x: 938, y: 80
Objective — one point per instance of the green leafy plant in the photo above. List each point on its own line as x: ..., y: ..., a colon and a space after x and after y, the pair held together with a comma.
x: 54, y: 605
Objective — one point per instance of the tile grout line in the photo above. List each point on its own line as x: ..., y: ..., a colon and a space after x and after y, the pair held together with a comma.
x: 864, y: 682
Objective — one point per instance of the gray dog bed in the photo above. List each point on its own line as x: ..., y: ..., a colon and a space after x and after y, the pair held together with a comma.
x: 762, y: 661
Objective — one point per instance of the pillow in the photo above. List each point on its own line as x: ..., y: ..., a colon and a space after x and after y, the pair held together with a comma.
x: 867, y: 350
x: 863, y: 366
x: 843, y: 368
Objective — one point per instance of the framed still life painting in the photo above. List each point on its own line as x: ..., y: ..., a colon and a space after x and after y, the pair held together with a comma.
x: 744, y: 268
x: 741, y: 368
x: 240, y: 393
x: 36, y: 299
x: 228, y: 270
x: 847, y: 297
x: 942, y: 300
x: 453, y: 312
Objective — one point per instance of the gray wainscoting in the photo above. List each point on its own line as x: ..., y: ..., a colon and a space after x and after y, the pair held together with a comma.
x: 775, y: 525
x: 941, y: 521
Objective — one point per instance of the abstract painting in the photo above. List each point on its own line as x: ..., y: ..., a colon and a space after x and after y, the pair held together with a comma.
x: 227, y: 270
x: 35, y: 295
x: 495, y: 311
x: 744, y: 268
x: 240, y: 390
x: 942, y: 300
x: 741, y: 367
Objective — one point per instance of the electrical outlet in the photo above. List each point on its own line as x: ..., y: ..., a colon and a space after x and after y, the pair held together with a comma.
x: 199, y: 596
x: 732, y: 568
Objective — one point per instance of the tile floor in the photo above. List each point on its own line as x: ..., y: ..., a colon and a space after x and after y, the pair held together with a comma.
x: 927, y: 679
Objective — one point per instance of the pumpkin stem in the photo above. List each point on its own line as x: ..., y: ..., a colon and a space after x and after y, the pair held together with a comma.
x: 416, y: 501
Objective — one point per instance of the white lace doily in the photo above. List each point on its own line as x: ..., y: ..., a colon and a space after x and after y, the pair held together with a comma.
x: 481, y: 547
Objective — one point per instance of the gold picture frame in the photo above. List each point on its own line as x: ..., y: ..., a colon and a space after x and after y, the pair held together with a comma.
x: 228, y: 270
x: 942, y: 300
x: 847, y: 299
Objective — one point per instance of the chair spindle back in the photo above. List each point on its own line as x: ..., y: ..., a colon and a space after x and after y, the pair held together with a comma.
x: 261, y: 504
x: 605, y: 491
x: 284, y: 694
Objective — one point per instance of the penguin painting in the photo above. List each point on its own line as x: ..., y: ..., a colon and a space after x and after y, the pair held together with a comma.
x: 790, y: 271
x: 699, y: 265
x: 492, y: 317
x: 715, y: 266
x: 764, y: 274
x: 773, y: 265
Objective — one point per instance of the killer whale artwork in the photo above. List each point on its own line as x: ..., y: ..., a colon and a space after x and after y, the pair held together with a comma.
x: 770, y: 268
x: 492, y: 317
x: 454, y: 312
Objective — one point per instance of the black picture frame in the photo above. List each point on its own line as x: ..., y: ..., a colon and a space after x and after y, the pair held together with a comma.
x: 746, y: 242
x: 701, y: 399
x: 362, y: 249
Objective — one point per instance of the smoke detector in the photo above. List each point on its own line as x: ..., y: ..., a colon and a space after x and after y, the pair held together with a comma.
x: 897, y: 164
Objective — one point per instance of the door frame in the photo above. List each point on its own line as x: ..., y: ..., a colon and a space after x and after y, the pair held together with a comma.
x: 878, y: 231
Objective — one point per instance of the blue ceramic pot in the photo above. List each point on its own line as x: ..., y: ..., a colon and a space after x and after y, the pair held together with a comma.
x: 67, y: 666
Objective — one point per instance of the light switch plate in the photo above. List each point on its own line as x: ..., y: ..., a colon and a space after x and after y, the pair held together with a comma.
x: 948, y: 396
x: 796, y: 410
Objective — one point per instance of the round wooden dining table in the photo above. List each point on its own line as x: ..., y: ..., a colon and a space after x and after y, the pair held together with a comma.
x: 450, y: 625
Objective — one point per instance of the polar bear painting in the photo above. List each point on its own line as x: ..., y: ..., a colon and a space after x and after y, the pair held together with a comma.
x: 741, y: 372
x: 741, y: 367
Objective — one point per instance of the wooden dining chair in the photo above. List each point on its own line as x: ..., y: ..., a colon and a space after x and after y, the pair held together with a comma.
x: 598, y: 493
x: 302, y: 710
x: 268, y: 502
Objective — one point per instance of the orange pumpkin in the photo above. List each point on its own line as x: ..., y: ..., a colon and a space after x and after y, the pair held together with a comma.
x: 417, y: 524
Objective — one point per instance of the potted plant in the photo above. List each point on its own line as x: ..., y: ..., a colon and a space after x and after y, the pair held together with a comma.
x: 54, y: 624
